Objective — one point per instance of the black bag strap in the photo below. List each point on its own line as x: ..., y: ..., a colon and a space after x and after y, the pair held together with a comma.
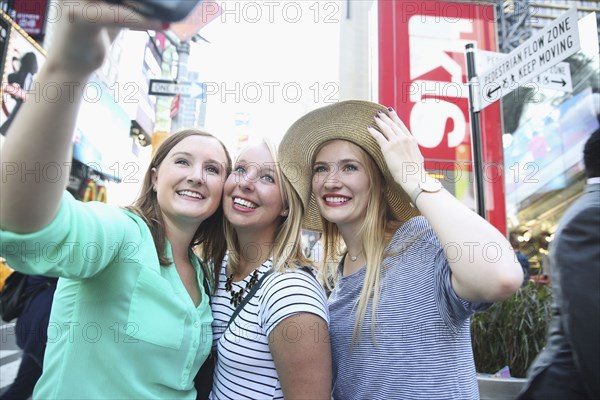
x: 248, y: 296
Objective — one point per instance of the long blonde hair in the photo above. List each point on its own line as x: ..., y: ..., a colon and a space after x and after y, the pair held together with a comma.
x: 286, y: 251
x: 377, y: 227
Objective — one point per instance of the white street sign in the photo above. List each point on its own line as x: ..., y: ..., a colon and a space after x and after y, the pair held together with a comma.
x: 557, y: 77
x: 162, y: 87
x: 554, y: 43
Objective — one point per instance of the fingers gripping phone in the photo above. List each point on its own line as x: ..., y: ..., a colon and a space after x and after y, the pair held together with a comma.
x: 163, y: 10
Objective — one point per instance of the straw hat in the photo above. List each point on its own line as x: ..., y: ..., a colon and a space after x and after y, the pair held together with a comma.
x: 346, y: 120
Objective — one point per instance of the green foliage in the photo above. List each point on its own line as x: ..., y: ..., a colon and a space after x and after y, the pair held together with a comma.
x: 512, y: 332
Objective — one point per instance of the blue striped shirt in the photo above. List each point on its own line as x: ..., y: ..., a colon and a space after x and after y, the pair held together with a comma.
x: 422, y: 337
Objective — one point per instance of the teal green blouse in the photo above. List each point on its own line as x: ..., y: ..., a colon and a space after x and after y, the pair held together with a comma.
x: 122, y: 326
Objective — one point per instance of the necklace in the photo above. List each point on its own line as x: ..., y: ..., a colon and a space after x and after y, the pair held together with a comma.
x: 354, y: 258
x: 236, y: 297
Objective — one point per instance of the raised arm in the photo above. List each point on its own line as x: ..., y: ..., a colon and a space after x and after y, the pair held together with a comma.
x: 40, y: 136
x: 484, y: 267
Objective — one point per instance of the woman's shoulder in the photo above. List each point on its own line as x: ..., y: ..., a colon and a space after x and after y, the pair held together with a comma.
x: 299, y: 279
x: 303, y: 273
x: 106, y: 213
x: 415, y: 228
x: 292, y: 291
x: 414, y: 234
x: 134, y: 222
x: 413, y: 224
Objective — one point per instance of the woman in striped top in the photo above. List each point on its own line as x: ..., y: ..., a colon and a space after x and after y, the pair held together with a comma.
x: 278, y: 344
x: 405, y: 285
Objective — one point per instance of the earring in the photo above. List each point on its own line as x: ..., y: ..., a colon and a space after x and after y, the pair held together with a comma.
x: 285, y: 213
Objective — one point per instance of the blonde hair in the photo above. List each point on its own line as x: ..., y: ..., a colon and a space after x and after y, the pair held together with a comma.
x: 286, y: 251
x: 376, y: 228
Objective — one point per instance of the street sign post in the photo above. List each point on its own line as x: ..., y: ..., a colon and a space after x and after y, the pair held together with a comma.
x: 163, y: 87
x: 557, y: 77
x: 475, y: 133
x: 554, y: 43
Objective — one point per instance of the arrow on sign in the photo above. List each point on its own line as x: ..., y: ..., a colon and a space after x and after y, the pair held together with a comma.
x: 491, y: 92
x: 196, y: 90
x: 562, y: 82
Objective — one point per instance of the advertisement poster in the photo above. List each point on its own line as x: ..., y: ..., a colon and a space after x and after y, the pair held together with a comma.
x: 4, y: 38
x: 102, y: 130
x: 31, y: 15
x: 21, y: 62
x: 423, y: 74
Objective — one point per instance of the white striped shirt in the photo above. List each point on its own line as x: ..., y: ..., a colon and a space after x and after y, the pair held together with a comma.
x: 245, y: 366
x: 422, y: 332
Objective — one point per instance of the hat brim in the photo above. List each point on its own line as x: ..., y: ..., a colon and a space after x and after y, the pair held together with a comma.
x: 347, y: 120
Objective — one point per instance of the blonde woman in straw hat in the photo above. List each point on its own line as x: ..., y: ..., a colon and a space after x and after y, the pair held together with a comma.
x: 270, y: 314
x: 405, y: 279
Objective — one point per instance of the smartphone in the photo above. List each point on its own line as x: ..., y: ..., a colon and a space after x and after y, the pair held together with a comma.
x: 163, y: 10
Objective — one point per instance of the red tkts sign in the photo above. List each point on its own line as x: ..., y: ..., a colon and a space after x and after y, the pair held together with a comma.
x: 422, y: 74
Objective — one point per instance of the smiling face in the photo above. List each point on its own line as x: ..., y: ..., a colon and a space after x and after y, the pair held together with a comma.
x: 341, y: 184
x: 252, y: 195
x: 189, y: 181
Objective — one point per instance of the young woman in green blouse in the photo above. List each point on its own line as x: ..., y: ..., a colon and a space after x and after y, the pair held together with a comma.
x: 130, y: 316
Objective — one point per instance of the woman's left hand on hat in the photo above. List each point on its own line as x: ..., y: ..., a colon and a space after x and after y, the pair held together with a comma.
x: 400, y: 149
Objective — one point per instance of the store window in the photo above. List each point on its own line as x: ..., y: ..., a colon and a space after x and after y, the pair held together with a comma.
x: 545, y: 133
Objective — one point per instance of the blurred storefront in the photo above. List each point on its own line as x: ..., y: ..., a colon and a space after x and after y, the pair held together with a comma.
x: 544, y: 172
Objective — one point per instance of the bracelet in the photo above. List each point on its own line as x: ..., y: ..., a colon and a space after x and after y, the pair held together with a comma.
x: 415, y: 195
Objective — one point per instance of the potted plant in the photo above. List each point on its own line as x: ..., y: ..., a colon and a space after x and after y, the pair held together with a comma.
x: 510, y: 333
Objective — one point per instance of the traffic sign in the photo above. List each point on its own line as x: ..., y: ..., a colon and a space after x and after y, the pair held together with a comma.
x: 163, y: 87
x: 554, y: 43
x: 557, y: 77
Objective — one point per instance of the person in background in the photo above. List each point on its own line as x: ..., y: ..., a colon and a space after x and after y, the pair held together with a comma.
x: 5, y: 272
x: 312, y: 247
x: 316, y: 251
x: 277, y: 346
x: 521, y: 259
x: 131, y: 315
x: 404, y: 284
x: 569, y: 365
x: 31, y: 331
